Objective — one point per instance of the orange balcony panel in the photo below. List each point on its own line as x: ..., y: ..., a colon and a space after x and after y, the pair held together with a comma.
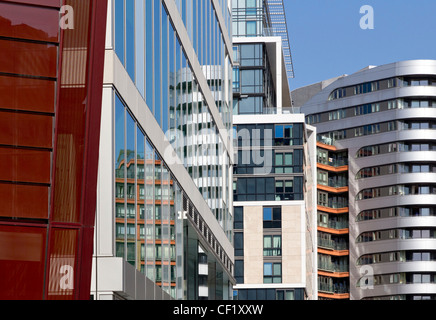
x: 333, y: 231
x: 331, y: 210
x: 332, y: 189
x: 333, y: 274
x: 331, y: 168
x: 326, y: 146
x: 334, y: 295
x: 337, y: 253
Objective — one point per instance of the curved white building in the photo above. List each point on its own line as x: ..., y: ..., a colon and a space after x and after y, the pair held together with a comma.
x: 385, y: 119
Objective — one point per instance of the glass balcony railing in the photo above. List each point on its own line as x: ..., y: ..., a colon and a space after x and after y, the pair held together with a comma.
x: 332, y: 244
x: 334, y: 204
x: 333, y: 267
x: 333, y: 288
x: 333, y: 162
x: 334, y: 184
x: 338, y: 225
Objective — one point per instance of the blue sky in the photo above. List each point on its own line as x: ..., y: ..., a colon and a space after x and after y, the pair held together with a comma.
x: 327, y: 41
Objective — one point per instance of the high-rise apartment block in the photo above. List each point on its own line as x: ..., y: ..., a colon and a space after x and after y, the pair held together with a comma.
x: 273, y: 186
x: 376, y: 181
x: 164, y: 212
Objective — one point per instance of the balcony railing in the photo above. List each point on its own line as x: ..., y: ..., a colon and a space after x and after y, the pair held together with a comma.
x: 338, y: 225
x: 333, y: 162
x: 333, y: 267
x: 334, y: 184
x: 332, y: 244
x: 334, y: 204
x: 335, y: 288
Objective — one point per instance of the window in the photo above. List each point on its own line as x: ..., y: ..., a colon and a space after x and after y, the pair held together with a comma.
x: 238, y: 218
x: 323, y: 177
x: 239, y: 271
x: 337, y: 94
x: 272, y: 245
x: 120, y: 230
x: 272, y: 217
x: 254, y: 189
x: 251, y: 28
x: 284, y: 189
x: 285, y: 295
x: 323, y: 199
x: 337, y: 114
x: 272, y: 272
x: 288, y: 134
x: 283, y: 163
x: 251, y: 81
x: 239, y: 243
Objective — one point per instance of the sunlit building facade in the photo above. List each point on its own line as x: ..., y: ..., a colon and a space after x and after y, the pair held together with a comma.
x: 164, y: 210
x: 273, y: 193
x: 376, y: 165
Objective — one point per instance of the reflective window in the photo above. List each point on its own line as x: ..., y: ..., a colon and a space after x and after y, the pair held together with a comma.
x: 119, y: 29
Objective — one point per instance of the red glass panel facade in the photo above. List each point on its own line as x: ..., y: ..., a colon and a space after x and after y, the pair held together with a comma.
x: 50, y: 103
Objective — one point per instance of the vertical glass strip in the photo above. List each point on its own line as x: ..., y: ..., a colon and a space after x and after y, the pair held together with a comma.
x: 158, y: 218
x: 131, y: 189
x: 130, y: 38
x: 140, y: 45
x: 120, y: 185
x: 119, y: 29
x: 149, y: 211
x: 166, y: 245
x: 172, y: 83
x: 140, y: 178
x: 149, y: 53
x: 165, y: 78
x: 157, y: 62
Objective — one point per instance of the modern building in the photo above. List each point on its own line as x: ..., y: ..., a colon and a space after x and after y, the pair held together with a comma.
x: 51, y: 72
x: 378, y: 125
x: 165, y: 209
x: 274, y: 172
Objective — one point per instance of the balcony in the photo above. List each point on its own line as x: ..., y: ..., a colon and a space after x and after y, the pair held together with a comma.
x: 332, y: 244
x: 337, y: 288
x: 332, y: 224
x: 333, y: 267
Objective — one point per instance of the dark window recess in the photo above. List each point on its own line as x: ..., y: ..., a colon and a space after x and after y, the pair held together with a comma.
x: 272, y: 217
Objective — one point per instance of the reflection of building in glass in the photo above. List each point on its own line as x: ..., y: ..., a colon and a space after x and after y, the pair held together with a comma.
x: 274, y: 213
x: 376, y: 181
x: 164, y: 218
x: 196, y: 140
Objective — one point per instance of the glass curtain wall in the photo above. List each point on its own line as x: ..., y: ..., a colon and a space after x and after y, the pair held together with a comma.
x: 147, y: 44
x: 145, y: 212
